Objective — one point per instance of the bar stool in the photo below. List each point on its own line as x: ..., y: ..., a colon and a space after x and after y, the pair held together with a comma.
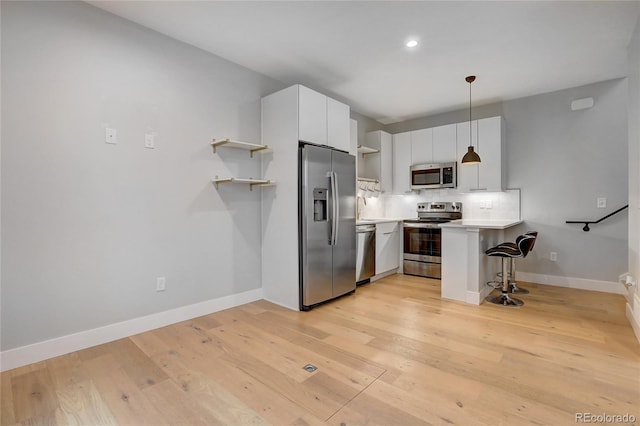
x: 507, y: 252
x: 513, y: 286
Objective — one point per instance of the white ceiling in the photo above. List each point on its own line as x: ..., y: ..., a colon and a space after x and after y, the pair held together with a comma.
x: 354, y: 50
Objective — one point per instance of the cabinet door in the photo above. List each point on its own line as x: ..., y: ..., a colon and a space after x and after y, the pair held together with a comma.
x: 445, y: 143
x: 387, y: 247
x: 422, y: 146
x: 312, y: 116
x: 401, y: 162
x: 353, y: 139
x: 490, y: 151
x: 386, y: 162
x: 467, y: 173
x: 338, y: 127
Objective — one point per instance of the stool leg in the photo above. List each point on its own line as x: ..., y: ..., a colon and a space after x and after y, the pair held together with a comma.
x: 504, y: 299
x: 513, y: 286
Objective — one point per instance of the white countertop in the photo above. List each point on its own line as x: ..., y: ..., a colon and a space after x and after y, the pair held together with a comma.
x: 481, y: 224
x: 378, y: 220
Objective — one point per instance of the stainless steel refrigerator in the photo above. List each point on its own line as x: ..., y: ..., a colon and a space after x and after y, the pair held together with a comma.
x: 327, y: 224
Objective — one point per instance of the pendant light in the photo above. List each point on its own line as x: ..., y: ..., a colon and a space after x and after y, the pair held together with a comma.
x: 471, y: 157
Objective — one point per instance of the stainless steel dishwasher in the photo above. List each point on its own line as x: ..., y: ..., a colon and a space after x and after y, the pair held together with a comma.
x: 366, y: 253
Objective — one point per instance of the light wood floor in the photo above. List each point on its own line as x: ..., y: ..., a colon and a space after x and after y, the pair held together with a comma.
x: 394, y: 353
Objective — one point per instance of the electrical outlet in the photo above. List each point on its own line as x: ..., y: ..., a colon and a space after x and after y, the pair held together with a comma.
x: 553, y: 256
x: 602, y: 203
x: 149, y: 140
x: 110, y: 135
x: 161, y: 283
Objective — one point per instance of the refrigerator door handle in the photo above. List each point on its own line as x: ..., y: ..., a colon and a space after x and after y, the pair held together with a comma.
x: 334, y: 208
x: 336, y: 199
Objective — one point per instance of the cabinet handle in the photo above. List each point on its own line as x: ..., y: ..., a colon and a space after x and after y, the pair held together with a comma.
x: 387, y: 233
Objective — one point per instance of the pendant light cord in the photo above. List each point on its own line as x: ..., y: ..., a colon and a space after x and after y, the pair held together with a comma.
x: 470, y: 139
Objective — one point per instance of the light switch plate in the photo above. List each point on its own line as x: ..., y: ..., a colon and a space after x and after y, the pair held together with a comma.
x: 161, y: 283
x: 602, y: 203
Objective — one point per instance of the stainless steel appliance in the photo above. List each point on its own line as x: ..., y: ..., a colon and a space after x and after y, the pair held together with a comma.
x: 365, y: 253
x: 422, y: 238
x: 327, y: 224
x: 433, y: 176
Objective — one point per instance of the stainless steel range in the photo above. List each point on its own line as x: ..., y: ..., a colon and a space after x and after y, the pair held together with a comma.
x: 422, y: 238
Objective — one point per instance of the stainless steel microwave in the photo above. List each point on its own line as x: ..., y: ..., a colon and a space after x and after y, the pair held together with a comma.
x: 433, y: 176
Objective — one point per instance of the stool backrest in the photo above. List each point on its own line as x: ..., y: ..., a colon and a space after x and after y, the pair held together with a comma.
x: 525, y: 243
x: 534, y: 234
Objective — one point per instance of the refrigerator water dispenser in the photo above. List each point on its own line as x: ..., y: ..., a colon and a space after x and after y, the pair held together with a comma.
x: 319, y: 204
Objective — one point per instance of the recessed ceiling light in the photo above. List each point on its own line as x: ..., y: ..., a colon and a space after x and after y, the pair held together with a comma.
x: 412, y: 43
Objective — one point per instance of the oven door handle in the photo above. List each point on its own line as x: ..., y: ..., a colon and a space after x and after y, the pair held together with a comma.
x: 421, y: 225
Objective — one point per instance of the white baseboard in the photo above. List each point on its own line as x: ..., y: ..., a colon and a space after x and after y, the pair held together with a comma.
x: 572, y: 282
x: 634, y: 317
x: 14, y: 358
x: 384, y: 274
x: 477, y: 297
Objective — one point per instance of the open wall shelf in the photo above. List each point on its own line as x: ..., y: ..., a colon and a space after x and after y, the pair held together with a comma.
x: 365, y: 150
x: 246, y: 181
x: 230, y: 143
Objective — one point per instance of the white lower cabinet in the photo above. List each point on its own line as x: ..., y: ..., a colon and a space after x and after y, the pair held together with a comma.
x: 387, y: 246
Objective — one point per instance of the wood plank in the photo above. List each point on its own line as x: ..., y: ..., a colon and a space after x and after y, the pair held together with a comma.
x: 121, y: 395
x: 82, y: 404
x: 272, y: 406
x: 142, y: 371
x: 34, y: 397
x: 177, y: 406
x: 7, y: 416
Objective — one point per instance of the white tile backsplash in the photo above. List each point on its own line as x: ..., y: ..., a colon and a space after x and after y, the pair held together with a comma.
x: 481, y: 205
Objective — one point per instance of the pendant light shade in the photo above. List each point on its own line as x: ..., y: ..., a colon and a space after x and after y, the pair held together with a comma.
x: 471, y: 157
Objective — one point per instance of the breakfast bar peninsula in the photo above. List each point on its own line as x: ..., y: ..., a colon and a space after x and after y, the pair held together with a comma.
x: 465, y: 267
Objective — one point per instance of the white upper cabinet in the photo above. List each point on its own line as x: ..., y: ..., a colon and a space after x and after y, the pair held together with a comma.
x: 338, y: 125
x: 492, y: 171
x: 467, y: 173
x: 488, y: 141
x: 353, y: 138
x: 444, y: 143
x: 378, y: 165
x: 312, y: 116
x: 401, y: 162
x: 422, y: 146
x: 322, y: 120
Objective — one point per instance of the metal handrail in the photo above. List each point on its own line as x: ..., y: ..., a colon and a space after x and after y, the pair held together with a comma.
x: 588, y: 222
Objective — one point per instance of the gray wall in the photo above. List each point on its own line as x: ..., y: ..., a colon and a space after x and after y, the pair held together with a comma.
x: 86, y: 226
x: 459, y: 116
x: 563, y: 160
x: 365, y: 125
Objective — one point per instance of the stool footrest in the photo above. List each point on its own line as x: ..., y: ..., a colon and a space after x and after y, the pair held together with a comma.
x: 495, y: 284
x: 504, y: 300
